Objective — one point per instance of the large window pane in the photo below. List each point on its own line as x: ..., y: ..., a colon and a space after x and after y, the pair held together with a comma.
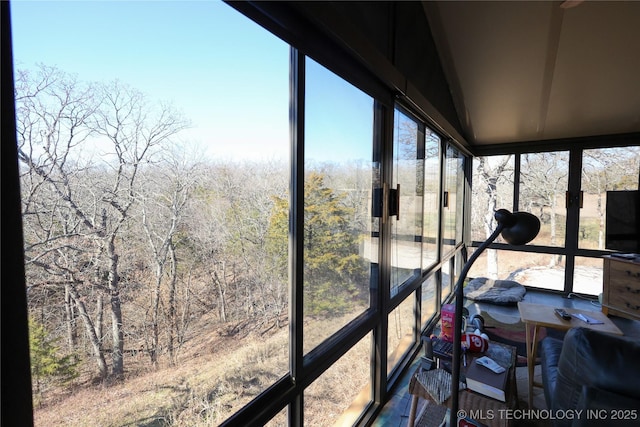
x: 529, y: 269
x: 492, y: 189
x: 337, y: 216
x: 536, y: 274
x: 587, y: 275
x: 340, y: 395
x: 428, y: 299
x: 603, y: 170
x: 510, y: 262
x: 408, y: 144
x: 154, y: 166
x: 431, y: 206
x: 401, y: 335
x: 452, y: 212
x: 543, y: 186
x: 446, y: 284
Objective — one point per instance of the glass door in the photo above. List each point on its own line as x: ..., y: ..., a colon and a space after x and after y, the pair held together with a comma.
x: 408, y: 181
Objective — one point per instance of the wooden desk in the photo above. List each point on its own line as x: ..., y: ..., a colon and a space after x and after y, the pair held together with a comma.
x: 536, y: 316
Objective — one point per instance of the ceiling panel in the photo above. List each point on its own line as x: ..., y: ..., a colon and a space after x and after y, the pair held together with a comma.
x: 596, y: 83
x: 526, y: 71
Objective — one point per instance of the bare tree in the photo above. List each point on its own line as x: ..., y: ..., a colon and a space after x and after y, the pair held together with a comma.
x: 164, y: 196
x: 232, y: 213
x: 489, y: 173
x: 544, y: 181
x: 81, y: 147
x: 54, y: 113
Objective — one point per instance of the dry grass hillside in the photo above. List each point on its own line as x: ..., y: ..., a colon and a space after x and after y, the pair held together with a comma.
x: 215, y: 376
x: 199, y: 390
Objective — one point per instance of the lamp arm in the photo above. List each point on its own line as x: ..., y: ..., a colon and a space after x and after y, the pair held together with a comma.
x: 457, y: 333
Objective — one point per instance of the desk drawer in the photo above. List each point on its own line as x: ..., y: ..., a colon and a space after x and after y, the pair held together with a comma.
x: 624, y: 300
x: 622, y: 289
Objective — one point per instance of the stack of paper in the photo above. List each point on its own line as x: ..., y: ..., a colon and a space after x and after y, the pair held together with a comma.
x: 587, y: 319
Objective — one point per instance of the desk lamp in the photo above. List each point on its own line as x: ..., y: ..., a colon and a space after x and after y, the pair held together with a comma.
x: 517, y: 228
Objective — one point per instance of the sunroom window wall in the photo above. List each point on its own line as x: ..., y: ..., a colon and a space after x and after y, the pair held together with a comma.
x: 297, y: 262
x: 567, y: 190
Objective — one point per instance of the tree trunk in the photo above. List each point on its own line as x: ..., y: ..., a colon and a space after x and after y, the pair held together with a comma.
x: 155, y: 332
x: 491, y: 175
x: 91, y: 332
x: 173, y: 326
x: 185, y: 311
x: 223, y: 303
x: 99, y: 317
x: 117, y: 370
x: 555, y: 259
x: 601, y: 217
x: 71, y: 320
x: 492, y: 254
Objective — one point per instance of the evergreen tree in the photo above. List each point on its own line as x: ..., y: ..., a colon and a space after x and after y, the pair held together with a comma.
x: 46, y: 362
x: 334, y: 272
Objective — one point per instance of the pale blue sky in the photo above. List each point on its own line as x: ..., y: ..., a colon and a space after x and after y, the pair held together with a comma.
x: 229, y: 76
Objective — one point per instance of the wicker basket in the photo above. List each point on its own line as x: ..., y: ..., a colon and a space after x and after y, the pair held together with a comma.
x: 431, y: 415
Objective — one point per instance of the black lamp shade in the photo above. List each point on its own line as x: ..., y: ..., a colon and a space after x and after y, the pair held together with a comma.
x: 520, y: 227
